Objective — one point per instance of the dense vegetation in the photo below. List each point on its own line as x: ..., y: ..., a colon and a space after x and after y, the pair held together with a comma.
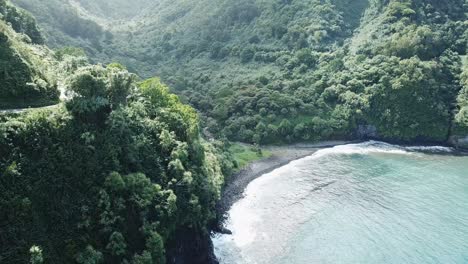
x: 401, y: 73
x: 24, y: 67
x: 63, y: 25
x: 282, y: 71
x: 117, y: 9
x: 111, y: 175
x: 461, y: 117
x: 21, y: 21
x: 117, y: 171
x: 104, y: 178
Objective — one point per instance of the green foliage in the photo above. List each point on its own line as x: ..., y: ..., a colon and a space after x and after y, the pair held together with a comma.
x: 240, y: 35
x: 117, y: 245
x: 62, y: 53
x: 117, y: 8
x: 97, y: 90
x: 89, y: 256
x: 62, y: 23
x: 249, y: 66
x: 101, y: 182
x: 115, y: 172
x: 159, y: 96
x: 21, y: 21
x: 400, y: 8
x: 406, y: 97
x: 24, y: 68
x: 155, y: 245
x: 247, y: 54
x: 244, y: 155
x: 36, y: 255
x: 461, y: 117
x: 143, y: 258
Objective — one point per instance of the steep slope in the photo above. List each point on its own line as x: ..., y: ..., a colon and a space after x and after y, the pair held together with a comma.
x: 25, y: 68
x: 224, y: 60
x: 218, y: 54
x: 116, y: 9
x: 459, y: 135
x: 304, y: 70
x: 400, y: 77
x: 117, y: 173
x: 63, y: 25
x: 104, y: 179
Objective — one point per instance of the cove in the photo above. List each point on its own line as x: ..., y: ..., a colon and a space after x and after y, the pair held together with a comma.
x: 361, y: 203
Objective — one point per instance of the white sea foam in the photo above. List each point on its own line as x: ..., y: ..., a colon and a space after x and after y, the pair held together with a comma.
x: 436, y: 149
x: 379, y: 147
x: 361, y: 148
x: 242, y: 217
x: 251, y: 215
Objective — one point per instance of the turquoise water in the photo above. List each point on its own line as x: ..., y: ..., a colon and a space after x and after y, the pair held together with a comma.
x: 364, y: 203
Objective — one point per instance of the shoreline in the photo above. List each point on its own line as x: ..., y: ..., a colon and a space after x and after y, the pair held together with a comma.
x: 237, y: 183
x: 281, y: 156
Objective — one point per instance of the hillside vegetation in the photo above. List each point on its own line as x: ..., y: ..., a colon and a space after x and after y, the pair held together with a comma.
x: 282, y: 71
x: 25, y: 78
x: 63, y: 25
x: 118, y: 172
x: 112, y: 175
x: 461, y: 117
x: 116, y: 9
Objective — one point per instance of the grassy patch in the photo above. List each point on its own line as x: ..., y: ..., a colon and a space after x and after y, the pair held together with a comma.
x: 246, y: 154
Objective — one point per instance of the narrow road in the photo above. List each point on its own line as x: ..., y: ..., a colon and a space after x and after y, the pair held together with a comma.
x: 63, y: 97
x: 20, y: 110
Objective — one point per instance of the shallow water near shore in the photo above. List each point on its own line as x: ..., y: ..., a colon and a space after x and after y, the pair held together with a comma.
x: 360, y: 203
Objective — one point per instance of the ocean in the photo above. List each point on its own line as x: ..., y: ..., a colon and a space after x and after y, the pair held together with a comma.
x: 361, y: 203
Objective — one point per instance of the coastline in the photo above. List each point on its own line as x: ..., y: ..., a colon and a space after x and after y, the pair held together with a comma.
x: 262, y: 222
x: 281, y: 156
x: 202, y: 251
x: 237, y: 183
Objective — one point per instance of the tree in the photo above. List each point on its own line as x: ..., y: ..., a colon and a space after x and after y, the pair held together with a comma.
x: 155, y: 245
x: 121, y: 83
x: 117, y: 244
x: 36, y: 255
x: 89, y: 256
x: 285, y: 127
x: 88, y: 86
x: 143, y: 258
x: 247, y: 54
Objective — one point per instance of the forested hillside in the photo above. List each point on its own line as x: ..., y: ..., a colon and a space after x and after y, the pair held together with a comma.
x: 24, y: 68
x: 461, y: 118
x: 114, y: 174
x: 116, y: 9
x: 401, y: 71
x: 118, y: 172
x: 282, y: 71
x: 63, y: 25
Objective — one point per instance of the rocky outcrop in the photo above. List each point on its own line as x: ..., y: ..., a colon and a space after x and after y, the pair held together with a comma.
x: 191, y: 247
x: 367, y: 132
x: 459, y: 141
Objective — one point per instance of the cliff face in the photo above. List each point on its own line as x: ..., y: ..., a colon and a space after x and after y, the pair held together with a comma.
x: 191, y: 247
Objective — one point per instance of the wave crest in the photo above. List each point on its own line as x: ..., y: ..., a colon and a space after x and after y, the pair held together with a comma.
x: 379, y: 147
